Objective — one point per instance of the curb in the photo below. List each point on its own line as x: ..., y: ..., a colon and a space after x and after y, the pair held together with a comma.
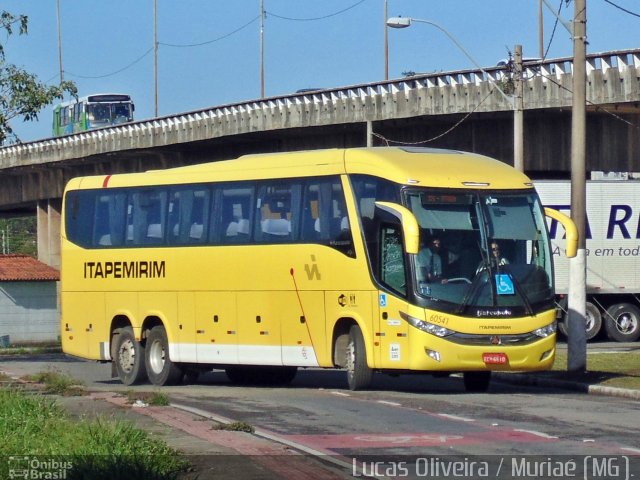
x: 535, y: 381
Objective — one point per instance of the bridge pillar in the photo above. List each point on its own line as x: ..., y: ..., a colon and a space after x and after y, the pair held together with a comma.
x: 48, y: 220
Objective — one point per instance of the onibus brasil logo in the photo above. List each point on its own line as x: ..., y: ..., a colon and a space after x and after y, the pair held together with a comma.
x: 31, y: 467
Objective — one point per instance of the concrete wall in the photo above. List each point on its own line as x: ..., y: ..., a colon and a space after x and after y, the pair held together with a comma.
x: 29, y: 311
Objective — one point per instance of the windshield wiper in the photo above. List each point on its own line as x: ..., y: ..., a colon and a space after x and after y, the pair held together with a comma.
x: 519, y: 289
x: 473, y: 289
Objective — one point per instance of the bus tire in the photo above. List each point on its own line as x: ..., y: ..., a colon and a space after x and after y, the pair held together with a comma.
x: 622, y: 322
x: 160, y: 369
x: 359, y: 375
x: 129, y: 357
x: 477, y: 382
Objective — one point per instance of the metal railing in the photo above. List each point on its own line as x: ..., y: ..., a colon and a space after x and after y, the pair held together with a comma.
x: 549, y: 70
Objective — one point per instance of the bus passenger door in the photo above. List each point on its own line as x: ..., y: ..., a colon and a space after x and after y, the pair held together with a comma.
x: 216, y: 328
x: 392, y: 332
x: 392, y: 335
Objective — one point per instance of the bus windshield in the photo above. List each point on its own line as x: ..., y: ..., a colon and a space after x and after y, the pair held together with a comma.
x: 481, y: 253
x: 109, y: 113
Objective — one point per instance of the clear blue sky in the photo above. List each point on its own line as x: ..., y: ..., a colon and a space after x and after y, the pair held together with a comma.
x: 107, y: 45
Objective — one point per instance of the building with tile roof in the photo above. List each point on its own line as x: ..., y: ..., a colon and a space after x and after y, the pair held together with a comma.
x: 23, y: 268
x: 29, y: 311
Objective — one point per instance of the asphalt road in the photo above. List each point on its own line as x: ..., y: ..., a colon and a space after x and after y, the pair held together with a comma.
x: 402, y: 418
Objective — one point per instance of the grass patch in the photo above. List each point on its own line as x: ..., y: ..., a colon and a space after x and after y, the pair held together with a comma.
x: 235, y: 427
x: 97, y: 449
x: 31, y: 348
x: 156, y: 399
x: 619, y: 369
x: 58, y: 383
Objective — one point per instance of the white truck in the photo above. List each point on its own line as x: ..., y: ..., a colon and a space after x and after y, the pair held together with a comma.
x: 613, y: 253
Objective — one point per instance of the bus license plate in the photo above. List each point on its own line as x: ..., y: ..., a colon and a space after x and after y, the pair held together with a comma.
x: 494, y: 358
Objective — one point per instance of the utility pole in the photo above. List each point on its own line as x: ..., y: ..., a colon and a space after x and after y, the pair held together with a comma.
x: 518, y: 112
x: 386, y: 42
x: 577, y: 342
x: 59, y: 41
x: 540, y: 30
x: 261, y: 48
x: 155, y: 56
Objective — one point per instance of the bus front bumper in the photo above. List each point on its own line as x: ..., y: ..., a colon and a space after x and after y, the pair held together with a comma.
x: 432, y: 353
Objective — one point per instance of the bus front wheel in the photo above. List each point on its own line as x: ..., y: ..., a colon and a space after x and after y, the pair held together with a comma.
x: 359, y: 374
x: 128, y: 356
x: 160, y: 369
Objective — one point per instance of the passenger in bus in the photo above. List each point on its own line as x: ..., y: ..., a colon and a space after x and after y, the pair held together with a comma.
x: 496, y: 258
x: 121, y: 113
x: 496, y: 255
x: 430, y: 261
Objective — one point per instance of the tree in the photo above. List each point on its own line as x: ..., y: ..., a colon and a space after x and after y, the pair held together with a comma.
x: 21, y: 93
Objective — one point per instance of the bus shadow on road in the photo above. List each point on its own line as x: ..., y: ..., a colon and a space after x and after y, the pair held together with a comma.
x: 337, y: 380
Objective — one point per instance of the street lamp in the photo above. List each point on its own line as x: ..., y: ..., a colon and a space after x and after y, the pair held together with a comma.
x: 404, y: 22
x: 515, y: 101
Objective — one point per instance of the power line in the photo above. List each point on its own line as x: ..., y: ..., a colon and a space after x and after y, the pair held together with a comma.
x: 311, y: 19
x: 614, y: 115
x: 190, y: 45
x: 623, y: 9
x: 553, y: 32
x: 449, y: 130
x: 112, y: 73
x: 186, y: 45
x: 166, y: 45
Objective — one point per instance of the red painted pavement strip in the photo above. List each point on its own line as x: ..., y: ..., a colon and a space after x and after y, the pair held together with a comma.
x: 420, y: 439
x: 268, y: 454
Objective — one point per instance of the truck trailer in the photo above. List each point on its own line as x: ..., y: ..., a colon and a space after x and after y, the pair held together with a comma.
x: 612, y: 232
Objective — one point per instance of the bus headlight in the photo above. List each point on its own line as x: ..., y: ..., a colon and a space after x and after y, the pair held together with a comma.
x: 437, y: 330
x: 545, y: 331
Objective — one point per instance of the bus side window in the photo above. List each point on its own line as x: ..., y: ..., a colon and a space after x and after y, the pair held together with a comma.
x: 236, y: 211
x: 108, y: 222
x: 188, y: 215
x: 324, y: 216
x: 146, y: 217
x: 277, y: 212
x: 79, y: 217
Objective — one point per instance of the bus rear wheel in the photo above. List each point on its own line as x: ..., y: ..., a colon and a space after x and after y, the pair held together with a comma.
x: 129, y: 356
x: 160, y: 369
x: 359, y: 375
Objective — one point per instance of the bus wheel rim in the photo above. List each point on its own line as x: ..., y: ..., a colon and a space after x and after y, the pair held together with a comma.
x: 156, y: 357
x: 351, y: 357
x: 127, y: 355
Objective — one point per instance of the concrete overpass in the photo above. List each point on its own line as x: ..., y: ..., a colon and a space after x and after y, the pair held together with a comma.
x: 461, y: 109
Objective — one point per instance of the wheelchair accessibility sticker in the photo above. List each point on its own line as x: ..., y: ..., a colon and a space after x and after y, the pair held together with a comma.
x: 383, y: 299
x: 504, y: 284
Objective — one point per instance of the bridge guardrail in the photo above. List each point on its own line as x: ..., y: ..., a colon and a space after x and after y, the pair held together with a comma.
x: 200, y: 122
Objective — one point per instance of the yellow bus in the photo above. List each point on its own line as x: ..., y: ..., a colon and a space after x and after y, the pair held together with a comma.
x: 267, y: 263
